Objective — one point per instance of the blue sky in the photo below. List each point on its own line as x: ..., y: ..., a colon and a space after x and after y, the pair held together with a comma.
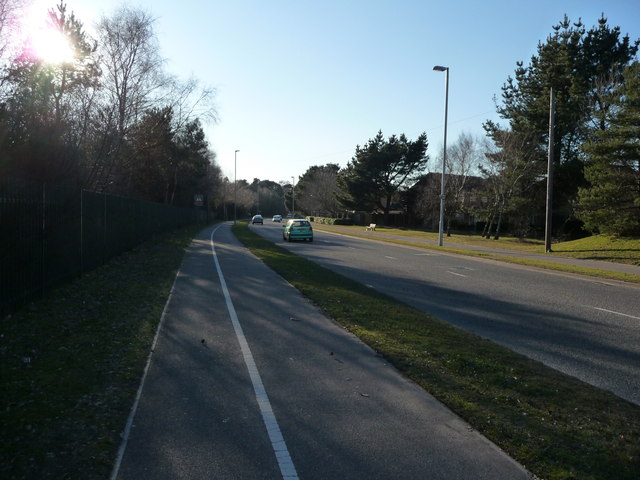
x: 301, y: 83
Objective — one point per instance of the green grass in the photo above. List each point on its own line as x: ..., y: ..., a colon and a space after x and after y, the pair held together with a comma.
x: 71, y: 363
x: 556, y: 426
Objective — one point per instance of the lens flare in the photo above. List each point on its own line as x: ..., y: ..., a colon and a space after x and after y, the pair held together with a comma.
x: 44, y: 41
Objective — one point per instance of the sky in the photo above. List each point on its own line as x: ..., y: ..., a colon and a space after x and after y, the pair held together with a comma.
x: 301, y: 83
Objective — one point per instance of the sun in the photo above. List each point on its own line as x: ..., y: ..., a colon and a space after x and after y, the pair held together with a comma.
x: 44, y: 41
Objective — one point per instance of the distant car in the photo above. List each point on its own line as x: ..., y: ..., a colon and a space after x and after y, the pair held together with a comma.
x: 257, y: 219
x: 277, y: 218
x: 289, y: 215
x: 297, y: 229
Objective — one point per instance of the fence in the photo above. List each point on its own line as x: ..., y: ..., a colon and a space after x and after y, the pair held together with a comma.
x: 51, y: 234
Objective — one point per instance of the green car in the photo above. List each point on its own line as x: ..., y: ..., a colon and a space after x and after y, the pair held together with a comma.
x: 297, y: 229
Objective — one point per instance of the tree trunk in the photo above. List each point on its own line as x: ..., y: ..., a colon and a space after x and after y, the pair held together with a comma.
x: 487, y: 231
x: 497, y: 235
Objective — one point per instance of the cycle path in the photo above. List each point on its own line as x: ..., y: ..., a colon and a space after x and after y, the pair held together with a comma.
x: 248, y: 380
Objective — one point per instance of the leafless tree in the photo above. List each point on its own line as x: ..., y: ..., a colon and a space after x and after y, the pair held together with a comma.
x: 510, y: 169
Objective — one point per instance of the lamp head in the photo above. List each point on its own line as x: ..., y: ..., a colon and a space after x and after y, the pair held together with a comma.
x: 438, y: 68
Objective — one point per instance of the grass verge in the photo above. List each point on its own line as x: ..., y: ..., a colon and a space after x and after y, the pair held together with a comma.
x: 556, y: 426
x: 71, y: 363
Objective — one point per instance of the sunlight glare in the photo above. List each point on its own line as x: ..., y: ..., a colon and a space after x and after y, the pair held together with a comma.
x: 45, y: 41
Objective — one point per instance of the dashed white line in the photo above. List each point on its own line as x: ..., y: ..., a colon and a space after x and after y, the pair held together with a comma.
x: 456, y: 274
x: 616, y: 313
x: 390, y: 258
x: 287, y: 468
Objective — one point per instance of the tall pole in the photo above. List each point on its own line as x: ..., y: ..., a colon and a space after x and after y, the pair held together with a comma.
x: 235, y: 184
x: 444, y: 154
x: 547, y: 227
x: 293, y: 197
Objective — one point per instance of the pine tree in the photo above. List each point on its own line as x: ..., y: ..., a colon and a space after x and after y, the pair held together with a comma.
x: 611, y: 202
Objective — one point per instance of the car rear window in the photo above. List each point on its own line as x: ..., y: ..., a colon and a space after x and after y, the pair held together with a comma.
x: 300, y: 223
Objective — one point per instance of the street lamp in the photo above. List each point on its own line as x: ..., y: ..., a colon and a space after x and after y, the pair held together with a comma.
x: 438, y: 68
x: 235, y: 184
x: 293, y: 197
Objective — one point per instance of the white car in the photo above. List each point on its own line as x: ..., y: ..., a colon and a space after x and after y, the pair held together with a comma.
x: 257, y: 219
x: 277, y: 218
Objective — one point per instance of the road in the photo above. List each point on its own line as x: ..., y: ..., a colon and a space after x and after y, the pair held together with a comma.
x: 585, y: 327
x: 248, y: 380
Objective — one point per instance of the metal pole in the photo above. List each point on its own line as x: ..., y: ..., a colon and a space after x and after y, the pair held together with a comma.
x: 293, y: 197
x: 444, y: 154
x: 235, y: 184
x: 547, y: 228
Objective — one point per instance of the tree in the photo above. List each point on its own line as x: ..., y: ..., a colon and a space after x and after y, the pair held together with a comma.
x: 463, y: 157
x: 317, y: 190
x: 38, y: 119
x: 381, y: 169
x: 133, y: 78
x: 610, y: 203
x: 512, y: 175
x: 577, y: 63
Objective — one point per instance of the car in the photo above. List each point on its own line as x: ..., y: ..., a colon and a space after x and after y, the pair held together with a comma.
x: 277, y: 218
x: 257, y: 219
x: 289, y: 215
x: 297, y: 229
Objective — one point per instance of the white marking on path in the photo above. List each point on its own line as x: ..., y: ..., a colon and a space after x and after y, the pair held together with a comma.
x: 615, y: 313
x: 287, y: 468
x: 390, y: 258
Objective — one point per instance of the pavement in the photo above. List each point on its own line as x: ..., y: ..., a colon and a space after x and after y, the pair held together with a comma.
x: 248, y: 380
x: 542, y: 257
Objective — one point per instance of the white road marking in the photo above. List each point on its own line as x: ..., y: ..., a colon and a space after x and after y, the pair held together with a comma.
x: 390, y: 258
x: 426, y: 254
x: 616, y: 313
x: 456, y: 273
x: 287, y: 468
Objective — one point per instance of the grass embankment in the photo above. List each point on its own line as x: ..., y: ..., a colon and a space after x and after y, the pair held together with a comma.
x: 507, y: 249
x: 553, y: 424
x: 71, y: 363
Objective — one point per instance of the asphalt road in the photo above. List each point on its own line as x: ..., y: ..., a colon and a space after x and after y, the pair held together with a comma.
x: 588, y: 328
x: 248, y: 380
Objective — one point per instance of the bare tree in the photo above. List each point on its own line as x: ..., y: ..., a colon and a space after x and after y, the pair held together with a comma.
x: 463, y: 158
x: 133, y: 79
x: 510, y: 169
x: 9, y: 14
x: 317, y: 188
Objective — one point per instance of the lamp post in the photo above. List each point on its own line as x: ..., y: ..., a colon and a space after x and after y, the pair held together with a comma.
x: 235, y: 184
x: 293, y: 197
x: 438, y: 68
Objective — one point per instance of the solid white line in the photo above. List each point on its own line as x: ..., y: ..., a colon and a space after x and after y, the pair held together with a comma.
x: 615, y: 313
x: 390, y: 258
x: 287, y: 467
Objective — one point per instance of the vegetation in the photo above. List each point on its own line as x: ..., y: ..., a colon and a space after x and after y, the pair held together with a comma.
x: 581, y: 66
x: 611, y: 201
x: 554, y: 425
x: 381, y: 169
x: 71, y: 363
x: 105, y: 116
